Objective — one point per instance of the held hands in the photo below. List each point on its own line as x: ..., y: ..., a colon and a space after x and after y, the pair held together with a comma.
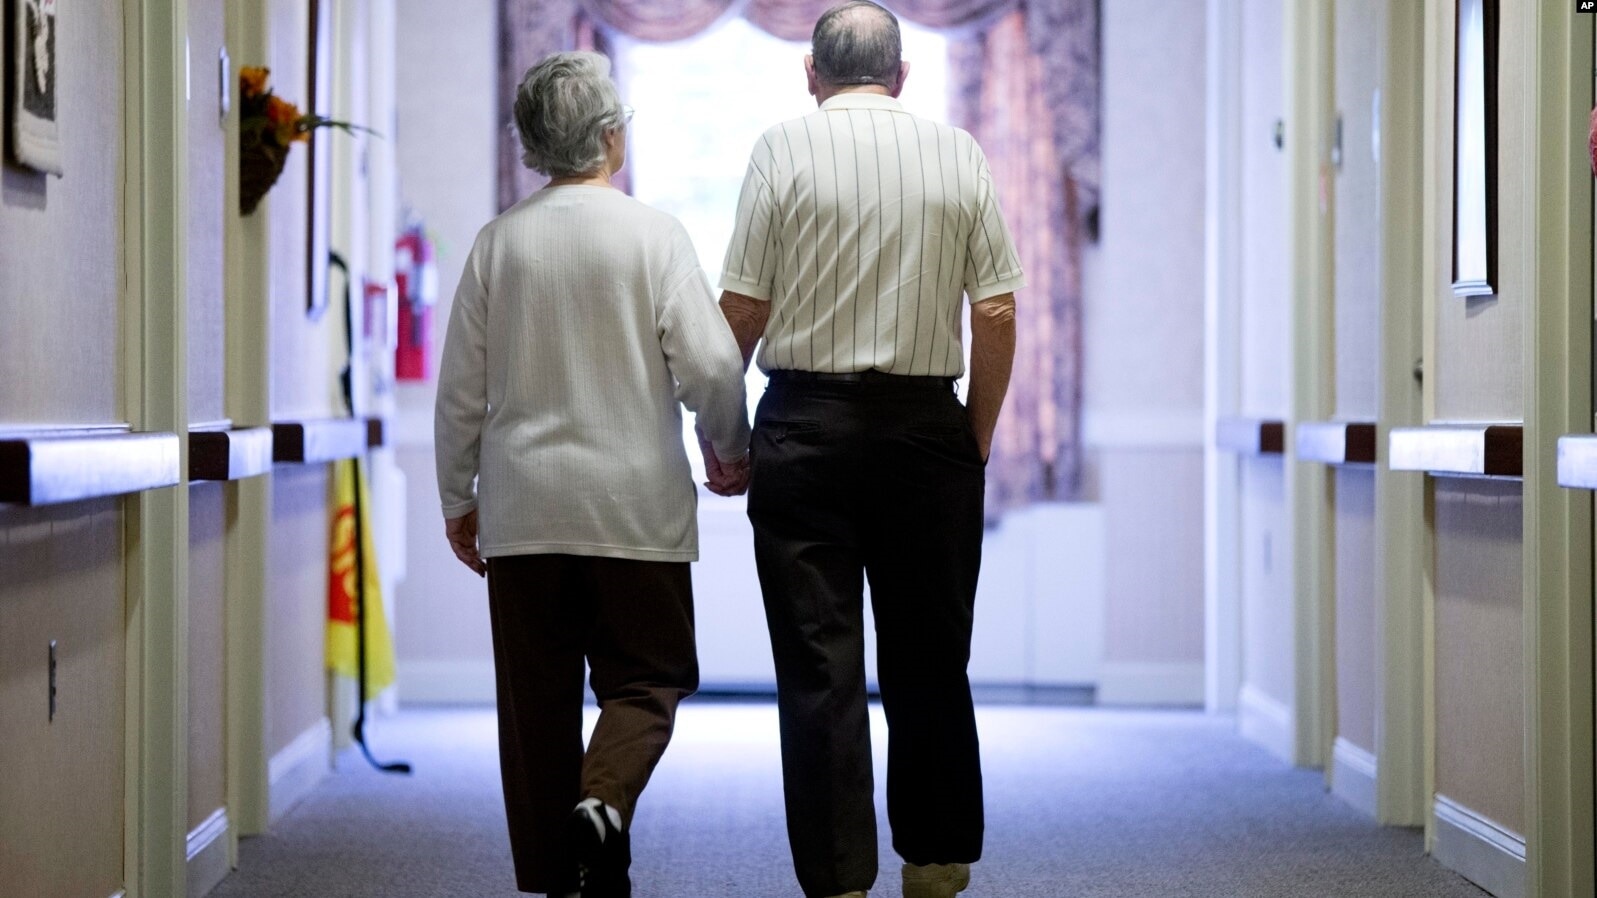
x: 726, y: 478
x: 462, y: 533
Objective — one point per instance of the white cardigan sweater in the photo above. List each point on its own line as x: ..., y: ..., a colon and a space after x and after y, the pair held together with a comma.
x: 582, y: 319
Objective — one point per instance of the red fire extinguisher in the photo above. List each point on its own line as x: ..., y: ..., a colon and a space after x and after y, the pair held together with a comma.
x: 417, y: 279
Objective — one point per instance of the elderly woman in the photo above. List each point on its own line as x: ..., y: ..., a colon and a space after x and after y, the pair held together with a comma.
x: 582, y: 319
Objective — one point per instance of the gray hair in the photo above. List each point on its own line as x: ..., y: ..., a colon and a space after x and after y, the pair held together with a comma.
x: 857, y: 43
x: 563, y: 107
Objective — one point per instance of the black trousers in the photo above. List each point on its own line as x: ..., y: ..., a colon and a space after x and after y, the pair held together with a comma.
x: 632, y: 621
x: 883, y: 480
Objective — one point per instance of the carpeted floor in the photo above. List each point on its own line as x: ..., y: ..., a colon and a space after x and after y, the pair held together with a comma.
x: 1080, y: 802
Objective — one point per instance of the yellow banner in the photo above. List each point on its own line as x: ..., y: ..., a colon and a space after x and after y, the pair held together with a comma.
x: 342, y: 653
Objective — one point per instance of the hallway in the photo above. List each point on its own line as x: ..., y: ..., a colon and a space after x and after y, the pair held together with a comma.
x: 1080, y: 802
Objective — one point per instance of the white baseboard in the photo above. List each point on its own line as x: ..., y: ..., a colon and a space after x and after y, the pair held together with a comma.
x: 294, y: 772
x: 207, y: 854
x: 1479, y: 849
x: 1151, y: 684
x: 458, y: 682
x: 1266, y: 721
x: 1353, y: 776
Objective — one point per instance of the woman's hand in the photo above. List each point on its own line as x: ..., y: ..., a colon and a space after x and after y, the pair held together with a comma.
x: 727, y: 478
x: 462, y: 533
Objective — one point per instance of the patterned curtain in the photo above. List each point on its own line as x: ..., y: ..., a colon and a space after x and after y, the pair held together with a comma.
x: 999, y: 96
x: 1027, y: 85
x: 794, y: 20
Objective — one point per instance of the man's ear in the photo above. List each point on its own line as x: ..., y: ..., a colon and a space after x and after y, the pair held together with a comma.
x: 809, y: 74
x: 903, y: 75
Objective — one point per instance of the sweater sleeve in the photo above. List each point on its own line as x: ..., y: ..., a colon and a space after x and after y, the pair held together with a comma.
x: 702, y: 354
x: 462, y: 404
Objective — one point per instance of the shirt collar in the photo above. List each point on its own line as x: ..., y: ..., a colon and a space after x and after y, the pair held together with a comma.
x: 857, y: 100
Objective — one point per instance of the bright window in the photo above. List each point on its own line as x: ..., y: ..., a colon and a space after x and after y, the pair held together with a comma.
x: 701, y: 105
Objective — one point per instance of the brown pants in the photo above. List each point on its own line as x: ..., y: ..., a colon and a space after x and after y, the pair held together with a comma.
x: 632, y: 621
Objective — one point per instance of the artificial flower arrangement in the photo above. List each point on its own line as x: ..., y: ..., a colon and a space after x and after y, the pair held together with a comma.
x: 268, y: 126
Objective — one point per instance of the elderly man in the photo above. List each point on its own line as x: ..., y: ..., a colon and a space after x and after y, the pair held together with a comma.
x: 859, y: 230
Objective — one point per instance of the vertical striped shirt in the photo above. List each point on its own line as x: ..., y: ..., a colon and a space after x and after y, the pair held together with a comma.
x: 864, y: 226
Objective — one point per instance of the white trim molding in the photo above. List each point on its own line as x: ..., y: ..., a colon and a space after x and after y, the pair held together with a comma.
x: 154, y: 316
x: 1151, y: 684
x: 1479, y: 849
x: 1310, y: 109
x: 461, y: 681
x: 1354, y: 776
x: 1402, y: 590
x: 1556, y: 229
x: 1264, y: 720
x: 248, y: 382
x: 294, y: 772
x: 208, y: 855
x: 1222, y: 338
x: 1172, y: 429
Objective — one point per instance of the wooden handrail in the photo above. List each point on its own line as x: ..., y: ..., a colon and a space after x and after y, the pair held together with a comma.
x: 1250, y: 436
x: 319, y: 440
x: 1337, y: 442
x: 1459, y: 450
x: 1577, y: 461
x: 231, y: 454
x: 46, y: 468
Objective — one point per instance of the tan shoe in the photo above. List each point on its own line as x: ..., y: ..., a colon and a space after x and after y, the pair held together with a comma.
x: 850, y: 895
x: 935, y: 880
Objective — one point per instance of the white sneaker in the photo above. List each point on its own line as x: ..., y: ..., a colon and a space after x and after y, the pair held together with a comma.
x: 935, y: 880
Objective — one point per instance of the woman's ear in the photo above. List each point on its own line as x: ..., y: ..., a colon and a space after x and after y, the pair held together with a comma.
x: 615, y: 148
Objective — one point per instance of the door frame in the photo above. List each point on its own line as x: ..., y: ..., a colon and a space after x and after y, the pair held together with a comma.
x: 1558, y: 546
x: 1311, y: 113
x: 155, y: 337
x: 1401, y: 540
x: 1222, y: 353
x: 248, y: 399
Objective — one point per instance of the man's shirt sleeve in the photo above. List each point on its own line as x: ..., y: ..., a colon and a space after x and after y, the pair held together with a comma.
x: 992, y: 267
x: 751, y: 255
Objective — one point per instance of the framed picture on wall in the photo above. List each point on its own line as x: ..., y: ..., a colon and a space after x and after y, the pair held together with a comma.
x: 1475, y: 149
x: 319, y: 161
x: 35, y: 137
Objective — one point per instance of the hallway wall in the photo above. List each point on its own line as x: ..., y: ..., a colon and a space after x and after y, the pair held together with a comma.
x: 61, y: 580
x: 448, y: 114
x: 207, y: 652
x: 63, y: 245
x: 1143, y: 352
x: 207, y: 320
x: 1480, y: 703
x: 62, y: 568
x: 1476, y: 374
x: 301, y: 387
x: 207, y: 375
x: 1359, y: 59
x: 1453, y: 571
x: 75, y: 353
x: 1264, y: 375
